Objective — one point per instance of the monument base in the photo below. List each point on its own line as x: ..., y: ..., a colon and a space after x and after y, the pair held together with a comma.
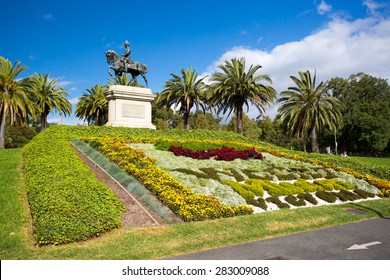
x: 130, y: 107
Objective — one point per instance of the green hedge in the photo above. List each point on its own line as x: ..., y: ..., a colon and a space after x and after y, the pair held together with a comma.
x: 67, y: 202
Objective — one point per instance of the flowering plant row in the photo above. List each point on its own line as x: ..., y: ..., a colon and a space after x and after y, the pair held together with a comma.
x: 182, y: 200
x: 224, y: 153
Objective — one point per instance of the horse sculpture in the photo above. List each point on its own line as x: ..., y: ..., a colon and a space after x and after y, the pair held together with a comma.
x: 117, y: 64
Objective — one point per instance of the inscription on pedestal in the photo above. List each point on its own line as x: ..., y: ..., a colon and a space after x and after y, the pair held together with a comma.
x: 133, y: 111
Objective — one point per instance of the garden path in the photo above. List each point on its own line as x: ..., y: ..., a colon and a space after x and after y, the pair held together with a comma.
x: 137, y: 214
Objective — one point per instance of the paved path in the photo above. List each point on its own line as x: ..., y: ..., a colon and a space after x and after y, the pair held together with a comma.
x: 371, y: 239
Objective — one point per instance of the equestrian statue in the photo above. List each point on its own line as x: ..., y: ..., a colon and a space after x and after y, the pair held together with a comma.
x: 124, y: 64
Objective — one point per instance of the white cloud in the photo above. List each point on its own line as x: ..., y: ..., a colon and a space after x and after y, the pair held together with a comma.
x: 339, y: 49
x: 48, y: 16
x: 74, y: 100
x: 323, y: 8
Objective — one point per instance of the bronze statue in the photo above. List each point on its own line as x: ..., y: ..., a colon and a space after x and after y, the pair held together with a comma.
x: 124, y: 64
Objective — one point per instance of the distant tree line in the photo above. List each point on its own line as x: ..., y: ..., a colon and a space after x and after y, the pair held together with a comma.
x: 26, y: 103
x: 348, y: 114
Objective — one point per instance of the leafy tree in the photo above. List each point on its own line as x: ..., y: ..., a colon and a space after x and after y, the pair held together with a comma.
x: 48, y: 97
x: 307, y: 108
x: 235, y: 87
x: 367, y: 113
x: 14, y: 103
x: 183, y: 92
x: 250, y: 128
x: 202, y: 120
x: 18, y: 136
x: 164, y: 118
x: 93, y: 106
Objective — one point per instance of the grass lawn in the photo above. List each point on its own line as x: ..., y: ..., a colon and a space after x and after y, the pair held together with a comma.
x: 16, y: 240
x: 383, y: 161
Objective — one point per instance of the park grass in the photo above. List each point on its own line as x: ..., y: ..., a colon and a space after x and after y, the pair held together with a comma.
x: 162, y: 241
x: 381, y: 161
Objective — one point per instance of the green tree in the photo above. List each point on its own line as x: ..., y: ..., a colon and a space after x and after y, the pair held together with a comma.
x: 19, y: 135
x: 48, y: 97
x: 14, y: 103
x: 307, y: 108
x: 183, y: 92
x: 202, y: 120
x: 250, y: 128
x: 235, y: 87
x: 93, y: 106
x: 367, y: 113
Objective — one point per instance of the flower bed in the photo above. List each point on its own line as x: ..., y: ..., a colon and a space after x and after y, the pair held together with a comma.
x: 182, y: 200
x: 246, y: 178
x: 68, y: 203
x: 224, y: 153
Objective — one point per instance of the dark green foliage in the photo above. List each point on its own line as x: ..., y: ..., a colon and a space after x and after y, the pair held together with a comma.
x: 260, y: 202
x: 308, y: 197
x: 277, y: 201
x: 17, y: 137
x: 296, y: 201
x: 252, y: 174
x: 364, y: 194
x: 345, y: 195
x: 367, y: 112
x: 327, y: 196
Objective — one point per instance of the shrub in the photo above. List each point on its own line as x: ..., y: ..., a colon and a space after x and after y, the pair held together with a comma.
x: 345, y: 195
x: 258, y: 203
x: 277, y: 201
x: 308, y: 197
x: 241, y: 189
x: 325, y: 184
x: 327, y: 196
x: 296, y: 201
x: 224, y: 153
x: 364, y: 194
x: 67, y: 202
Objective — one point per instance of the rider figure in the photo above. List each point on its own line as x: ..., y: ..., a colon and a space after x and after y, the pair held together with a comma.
x: 126, y: 55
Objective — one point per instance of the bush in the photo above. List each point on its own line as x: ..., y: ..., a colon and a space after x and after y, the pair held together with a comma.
x: 224, y: 153
x: 241, y: 189
x: 67, y: 202
x: 277, y: 201
x: 327, y: 196
x: 308, y: 197
x: 17, y: 137
x: 296, y: 201
x: 364, y: 194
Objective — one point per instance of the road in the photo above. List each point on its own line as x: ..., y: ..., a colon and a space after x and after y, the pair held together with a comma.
x: 365, y: 240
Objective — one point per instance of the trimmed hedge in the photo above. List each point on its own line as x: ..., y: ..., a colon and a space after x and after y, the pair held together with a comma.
x: 67, y: 202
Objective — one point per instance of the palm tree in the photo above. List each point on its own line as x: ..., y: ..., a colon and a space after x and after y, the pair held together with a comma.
x: 49, y: 97
x: 14, y: 103
x: 234, y: 87
x: 183, y: 92
x: 93, y: 106
x: 306, y: 108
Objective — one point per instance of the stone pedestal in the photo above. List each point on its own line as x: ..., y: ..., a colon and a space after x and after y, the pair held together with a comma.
x: 130, y: 106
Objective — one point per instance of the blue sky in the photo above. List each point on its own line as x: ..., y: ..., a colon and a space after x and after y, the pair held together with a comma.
x: 67, y: 39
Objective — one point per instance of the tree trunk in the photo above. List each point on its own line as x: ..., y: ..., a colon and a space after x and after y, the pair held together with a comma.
x: 3, y: 124
x: 2, y: 136
x: 186, y: 117
x: 314, y: 141
x: 239, y: 120
x: 43, y: 122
